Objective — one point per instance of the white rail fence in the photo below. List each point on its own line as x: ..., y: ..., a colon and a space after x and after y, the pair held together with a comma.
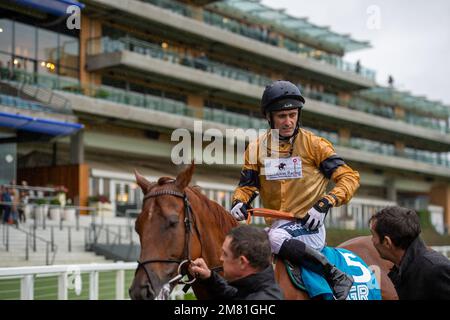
x: 69, y: 277
x: 445, y: 250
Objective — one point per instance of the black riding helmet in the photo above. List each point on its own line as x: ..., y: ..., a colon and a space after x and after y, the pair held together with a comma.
x: 282, y: 95
x: 279, y: 91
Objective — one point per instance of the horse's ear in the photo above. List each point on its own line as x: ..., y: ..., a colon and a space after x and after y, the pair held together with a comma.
x: 185, y: 176
x: 142, y: 182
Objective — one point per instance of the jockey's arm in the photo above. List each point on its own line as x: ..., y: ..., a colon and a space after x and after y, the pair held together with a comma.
x: 333, y: 167
x: 346, y: 183
x: 249, y: 181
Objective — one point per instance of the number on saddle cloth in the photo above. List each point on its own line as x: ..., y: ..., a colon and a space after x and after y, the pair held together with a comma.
x: 365, y: 286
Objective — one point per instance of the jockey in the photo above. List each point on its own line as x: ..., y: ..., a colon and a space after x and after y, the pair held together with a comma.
x: 293, y: 177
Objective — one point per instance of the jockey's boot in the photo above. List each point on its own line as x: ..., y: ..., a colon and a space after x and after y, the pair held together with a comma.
x: 298, y: 253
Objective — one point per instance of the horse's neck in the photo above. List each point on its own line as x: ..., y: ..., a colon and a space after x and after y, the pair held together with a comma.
x: 213, y: 223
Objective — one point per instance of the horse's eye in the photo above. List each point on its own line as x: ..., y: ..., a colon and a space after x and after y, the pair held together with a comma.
x: 172, y: 221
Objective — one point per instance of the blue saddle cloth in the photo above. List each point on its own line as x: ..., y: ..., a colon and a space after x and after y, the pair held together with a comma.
x: 365, y: 286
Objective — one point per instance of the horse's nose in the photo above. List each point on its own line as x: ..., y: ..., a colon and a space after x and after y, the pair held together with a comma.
x: 142, y: 292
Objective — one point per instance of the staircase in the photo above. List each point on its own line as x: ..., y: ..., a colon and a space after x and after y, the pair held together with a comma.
x: 23, y: 86
x: 70, y: 243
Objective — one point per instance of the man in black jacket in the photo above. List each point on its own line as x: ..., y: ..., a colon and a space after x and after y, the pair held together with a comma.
x: 246, y: 257
x: 419, y: 273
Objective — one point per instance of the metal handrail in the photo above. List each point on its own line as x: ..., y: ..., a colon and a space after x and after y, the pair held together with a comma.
x: 31, y: 188
x: 97, y: 229
x: 28, y: 243
x: 26, y: 84
x: 59, y: 102
x: 117, y: 240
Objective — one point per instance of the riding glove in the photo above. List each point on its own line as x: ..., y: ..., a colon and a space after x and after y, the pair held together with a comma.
x: 315, y: 216
x: 239, y: 211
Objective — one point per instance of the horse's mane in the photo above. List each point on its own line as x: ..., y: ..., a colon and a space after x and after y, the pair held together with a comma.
x: 224, y: 220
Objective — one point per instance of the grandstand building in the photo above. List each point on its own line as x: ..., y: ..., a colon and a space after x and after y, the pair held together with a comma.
x: 84, y: 107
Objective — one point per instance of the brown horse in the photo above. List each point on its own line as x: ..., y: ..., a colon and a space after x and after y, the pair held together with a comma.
x: 178, y: 223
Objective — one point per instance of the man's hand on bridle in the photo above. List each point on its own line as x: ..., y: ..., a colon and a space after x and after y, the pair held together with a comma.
x: 199, y: 269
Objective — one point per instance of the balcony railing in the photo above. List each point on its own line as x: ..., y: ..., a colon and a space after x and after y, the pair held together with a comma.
x: 256, y: 33
x: 107, y: 45
x: 225, y: 117
x: 49, y: 102
x: 364, y: 105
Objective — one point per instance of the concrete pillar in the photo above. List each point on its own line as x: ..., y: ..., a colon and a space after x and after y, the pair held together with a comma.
x: 391, y: 189
x: 197, y: 13
x: 77, y: 148
x: 197, y: 103
x: 90, y: 29
x: 440, y: 196
x: 399, y: 148
x: 344, y: 136
x: 399, y: 112
x: 344, y: 99
x: 281, y: 40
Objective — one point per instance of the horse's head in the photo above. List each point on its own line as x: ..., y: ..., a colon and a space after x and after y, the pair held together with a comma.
x: 163, y: 233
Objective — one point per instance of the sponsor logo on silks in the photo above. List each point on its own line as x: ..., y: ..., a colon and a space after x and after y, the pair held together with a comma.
x: 288, y: 105
x: 295, y: 229
x: 280, y: 169
x: 282, y: 166
x: 358, y: 292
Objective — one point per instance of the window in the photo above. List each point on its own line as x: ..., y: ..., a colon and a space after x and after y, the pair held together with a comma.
x: 6, y: 35
x: 27, y: 65
x: 8, y: 162
x: 68, y: 72
x: 68, y: 51
x: 25, y: 40
x: 5, y: 62
x: 47, y: 46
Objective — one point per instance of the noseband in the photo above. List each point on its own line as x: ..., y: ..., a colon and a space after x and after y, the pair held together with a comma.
x: 187, y: 224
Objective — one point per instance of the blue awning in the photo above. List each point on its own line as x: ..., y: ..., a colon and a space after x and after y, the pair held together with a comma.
x: 55, y: 7
x: 50, y: 127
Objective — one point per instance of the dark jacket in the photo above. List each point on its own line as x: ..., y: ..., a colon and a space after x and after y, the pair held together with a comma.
x: 258, y: 286
x: 423, y: 274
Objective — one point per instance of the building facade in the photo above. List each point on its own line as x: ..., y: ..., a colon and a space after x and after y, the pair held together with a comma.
x: 133, y: 71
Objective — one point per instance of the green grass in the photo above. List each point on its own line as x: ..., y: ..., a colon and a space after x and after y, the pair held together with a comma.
x: 46, y: 288
x: 429, y: 235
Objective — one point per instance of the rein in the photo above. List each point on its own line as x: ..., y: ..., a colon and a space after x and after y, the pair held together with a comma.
x: 188, y: 222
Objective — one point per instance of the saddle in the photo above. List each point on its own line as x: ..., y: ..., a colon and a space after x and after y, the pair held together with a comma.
x: 295, y: 274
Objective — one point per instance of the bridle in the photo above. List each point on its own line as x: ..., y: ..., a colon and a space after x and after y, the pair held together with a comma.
x: 186, y: 253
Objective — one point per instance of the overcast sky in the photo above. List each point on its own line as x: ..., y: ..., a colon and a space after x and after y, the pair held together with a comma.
x: 410, y: 40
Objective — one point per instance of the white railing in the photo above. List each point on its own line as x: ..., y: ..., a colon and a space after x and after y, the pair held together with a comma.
x: 69, y: 277
x: 356, y: 214
x: 437, y: 218
x: 445, y: 250
x: 64, y: 273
